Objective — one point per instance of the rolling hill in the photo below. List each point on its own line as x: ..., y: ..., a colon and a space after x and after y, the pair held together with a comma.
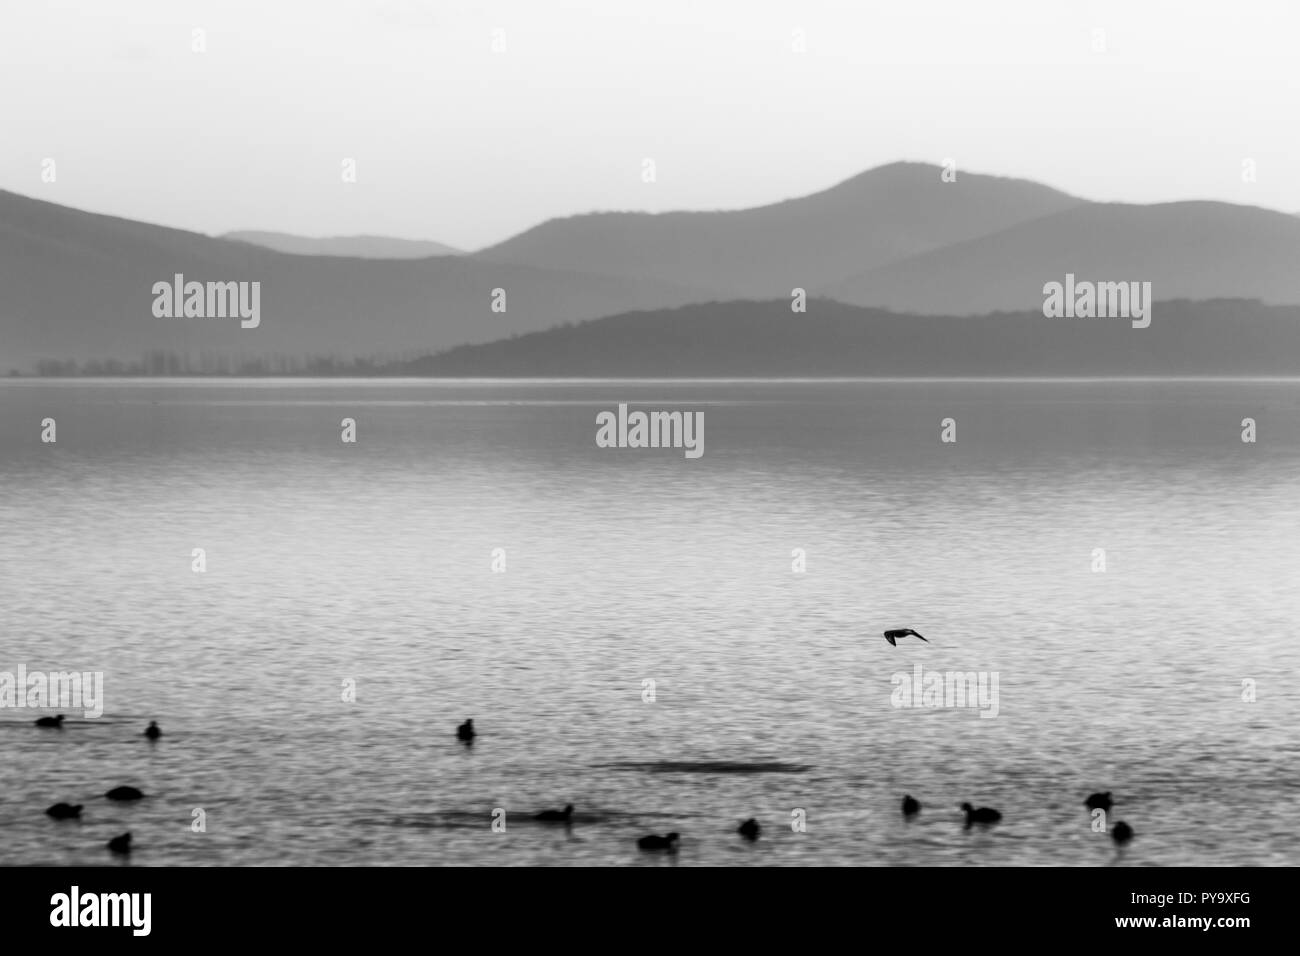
x: 1188, y: 250
x: 754, y: 339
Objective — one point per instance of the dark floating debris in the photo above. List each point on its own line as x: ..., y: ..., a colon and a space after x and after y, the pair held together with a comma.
x: 709, y: 766
x: 556, y: 816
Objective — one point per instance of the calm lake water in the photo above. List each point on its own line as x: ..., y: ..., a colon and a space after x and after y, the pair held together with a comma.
x: 373, y: 562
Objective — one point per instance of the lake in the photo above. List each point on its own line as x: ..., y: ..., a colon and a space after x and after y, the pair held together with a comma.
x: 668, y: 643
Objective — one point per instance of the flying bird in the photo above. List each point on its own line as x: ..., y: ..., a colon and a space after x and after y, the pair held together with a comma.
x: 893, y: 636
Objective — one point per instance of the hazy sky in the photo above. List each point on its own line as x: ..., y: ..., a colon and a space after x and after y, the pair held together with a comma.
x: 456, y: 142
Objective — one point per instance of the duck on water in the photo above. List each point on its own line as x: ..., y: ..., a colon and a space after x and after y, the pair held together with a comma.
x: 656, y: 842
x: 980, y: 814
x: 1098, y: 801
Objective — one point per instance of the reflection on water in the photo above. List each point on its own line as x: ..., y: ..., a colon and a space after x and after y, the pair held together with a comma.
x: 372, y: 562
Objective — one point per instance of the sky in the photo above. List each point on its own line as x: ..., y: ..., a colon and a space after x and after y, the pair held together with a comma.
x: 468, y: 122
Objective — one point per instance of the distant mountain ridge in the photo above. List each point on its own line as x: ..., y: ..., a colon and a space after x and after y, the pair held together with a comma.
x: 358, y: 247
x: 77, y: 285
x: 882, y: 215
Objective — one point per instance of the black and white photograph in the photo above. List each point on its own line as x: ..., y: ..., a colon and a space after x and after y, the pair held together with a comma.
x: 859, y: 440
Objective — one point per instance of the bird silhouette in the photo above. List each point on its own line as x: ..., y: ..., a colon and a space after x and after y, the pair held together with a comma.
x: 64, y: 811
x: 980, y: 814
x: 911, y: 806
x: 152, y: 731
x: 654, y: 842
x: 50, y: 721
x: 124, y: 793
x: 1121, y: 833
x: 556, y: 816
x: 894, y: 635
x: 749, y: 829
x: 465, y: 732
x: 120, y: 844
x: 1098, y: 801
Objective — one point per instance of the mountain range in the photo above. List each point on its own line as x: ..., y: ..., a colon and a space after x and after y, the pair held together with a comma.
x: 77, y: 285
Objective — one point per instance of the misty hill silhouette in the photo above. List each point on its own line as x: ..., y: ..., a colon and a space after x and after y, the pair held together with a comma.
x: 357, y: 247
x: 879, y: 216
x: 1187, y: 250
x: 750, y: 339
x: 77, y: 285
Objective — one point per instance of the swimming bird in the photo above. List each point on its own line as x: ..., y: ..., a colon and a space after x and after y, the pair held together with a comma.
x: 120, y: 844
x: 1098, y: 801
x: 980, y: 815
x: 124, y: 793
x: 50, y: 721
x: 654, y: 842
x: 1121, y: 833
x: 556, y: 816
x: 893, y: 636
x: 911, y: 806
x: 465, y: 732
x: 64, y: 811
x: 152, y: 731
x: 749, y: 829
